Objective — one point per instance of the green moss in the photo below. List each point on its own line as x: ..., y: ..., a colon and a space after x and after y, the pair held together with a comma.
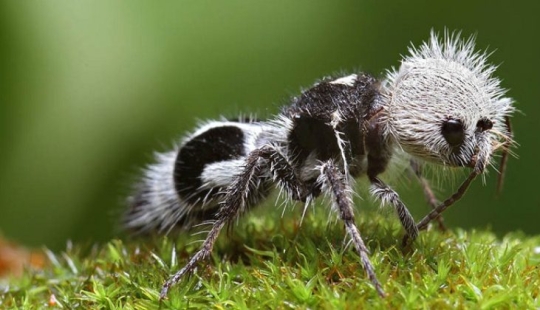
x: 275, y: 263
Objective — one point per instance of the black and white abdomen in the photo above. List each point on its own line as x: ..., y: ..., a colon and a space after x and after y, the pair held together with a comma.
x: 184, y: 187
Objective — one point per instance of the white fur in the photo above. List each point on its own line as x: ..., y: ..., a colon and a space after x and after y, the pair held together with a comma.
x: 163, y: 208
x: 336, y: 119
x: 221, y: 173
x: 443, y: 78
x: 346, y: 80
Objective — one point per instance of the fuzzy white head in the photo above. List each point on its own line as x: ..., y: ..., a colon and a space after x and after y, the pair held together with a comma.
x: 444, y: 105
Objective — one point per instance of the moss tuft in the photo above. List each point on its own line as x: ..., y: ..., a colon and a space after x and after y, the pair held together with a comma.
x: 274, y: 263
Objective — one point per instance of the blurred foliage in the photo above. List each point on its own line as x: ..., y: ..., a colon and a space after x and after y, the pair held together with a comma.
x: 89, y: 89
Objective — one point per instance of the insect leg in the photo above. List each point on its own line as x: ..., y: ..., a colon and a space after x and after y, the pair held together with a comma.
x: 236, y: 200
x: 335, y: 183
x: 283, y: 173
x: 428, y: 192
x: 447, y: 203
x: 386, y: 194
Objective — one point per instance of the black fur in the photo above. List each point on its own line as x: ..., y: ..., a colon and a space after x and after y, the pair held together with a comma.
x: 332, y: 125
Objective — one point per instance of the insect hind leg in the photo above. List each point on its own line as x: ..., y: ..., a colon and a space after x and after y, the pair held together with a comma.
x: 234, y: 201
x: 237, y: 200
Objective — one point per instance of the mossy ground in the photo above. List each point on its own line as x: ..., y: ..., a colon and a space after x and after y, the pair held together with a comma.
x: 274, y: 263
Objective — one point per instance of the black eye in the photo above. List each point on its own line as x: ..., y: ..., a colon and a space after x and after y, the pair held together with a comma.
x: 484, y: 124
x: 453, y: 132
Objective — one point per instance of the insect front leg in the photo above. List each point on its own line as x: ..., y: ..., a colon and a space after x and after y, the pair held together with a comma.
x: 423, y: 224
x: 334, y: 182
x: 428, y: 192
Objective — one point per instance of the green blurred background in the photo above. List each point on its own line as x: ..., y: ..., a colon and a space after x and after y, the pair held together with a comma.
x: 89, y: 89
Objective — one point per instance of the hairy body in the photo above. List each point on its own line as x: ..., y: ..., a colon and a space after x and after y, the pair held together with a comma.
x: 442, y: 106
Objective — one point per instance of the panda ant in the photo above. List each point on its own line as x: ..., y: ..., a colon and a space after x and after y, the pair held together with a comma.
x: 442, y: 105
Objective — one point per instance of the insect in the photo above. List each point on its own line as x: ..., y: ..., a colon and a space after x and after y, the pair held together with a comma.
x: 442, y: 105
